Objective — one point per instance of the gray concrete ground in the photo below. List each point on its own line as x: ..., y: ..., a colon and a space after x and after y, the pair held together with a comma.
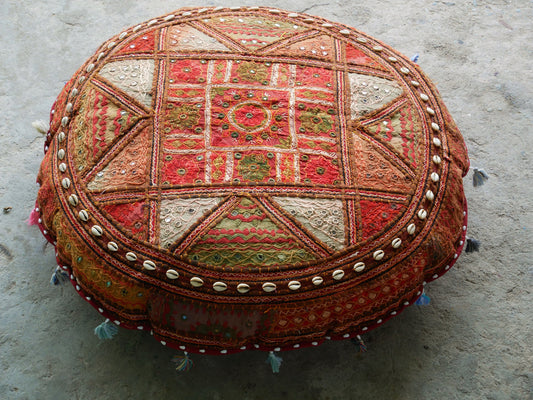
x: 473, y: 342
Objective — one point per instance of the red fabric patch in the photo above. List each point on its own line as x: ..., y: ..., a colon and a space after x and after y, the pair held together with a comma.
x: 376, y: 215
x: 316, y: 169
x: 183, y: 169
x: 133, y: 217
x: 141, y: 44
x: 315, y: 77
x: 356, y: 56
x: 187, y: 71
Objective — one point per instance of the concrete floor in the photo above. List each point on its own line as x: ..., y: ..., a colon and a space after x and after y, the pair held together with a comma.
x: 473, y: 342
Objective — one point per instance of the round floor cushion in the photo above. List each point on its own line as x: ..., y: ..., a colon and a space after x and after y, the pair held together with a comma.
x: 242, y: 178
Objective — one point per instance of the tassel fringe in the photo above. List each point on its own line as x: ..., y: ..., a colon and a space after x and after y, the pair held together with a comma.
x: 59, y: 277
x: 33, y: 219
x: 480, y: 176
x: 41, y: 126
x: 106, y: 330
x: 423, y: 300
x: 472, y: 245
x: 359, y: 342
x: 275, y: 362
x: 183, y: 363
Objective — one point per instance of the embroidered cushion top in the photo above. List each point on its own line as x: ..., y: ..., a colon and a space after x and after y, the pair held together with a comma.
x: 251, y: 178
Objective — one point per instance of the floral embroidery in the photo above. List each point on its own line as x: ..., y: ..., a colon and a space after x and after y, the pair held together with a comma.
x: 316, y: 120
x: 184, y: 116
x: 252, y: 72
x: 253, y: 167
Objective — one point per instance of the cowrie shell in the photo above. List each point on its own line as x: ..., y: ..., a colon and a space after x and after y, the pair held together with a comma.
x: 243, y: 288
x: 97, y: 230
x: 220, y: 286
x: 358, y: 267
x: 172, y: 274
x: 196, y: 282
x: 149, y: 265
x: 84, y: 215
x: 73, y: 200
x: 294, y: 285
x: 396, y: 243
x: 317, y: 280
x: 269, y: 287
x: 338, y: 274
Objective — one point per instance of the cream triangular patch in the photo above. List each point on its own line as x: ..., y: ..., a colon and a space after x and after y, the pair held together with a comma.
x: 134, y: 77
x: 178, y: 215
x: 322, y: 217
x: 185, y: 37
x: 321, y: 47
x: 368, y: 93
x: 254, y: 32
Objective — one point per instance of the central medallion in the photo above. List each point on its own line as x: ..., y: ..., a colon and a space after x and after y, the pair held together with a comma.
x: 249, y: 117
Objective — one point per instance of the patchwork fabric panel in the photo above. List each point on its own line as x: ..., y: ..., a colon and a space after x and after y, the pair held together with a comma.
x: 251, y: 178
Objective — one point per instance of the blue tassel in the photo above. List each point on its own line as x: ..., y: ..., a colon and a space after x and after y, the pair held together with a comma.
x: 59, y: 277
x: 183, y: 363
x: 106, y: 330
x: 359, y: 342
x: 480, y: 176
x: 275, y: 362
x: 472, y: 245
x: 423, y: 300
x: 415, y: 57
